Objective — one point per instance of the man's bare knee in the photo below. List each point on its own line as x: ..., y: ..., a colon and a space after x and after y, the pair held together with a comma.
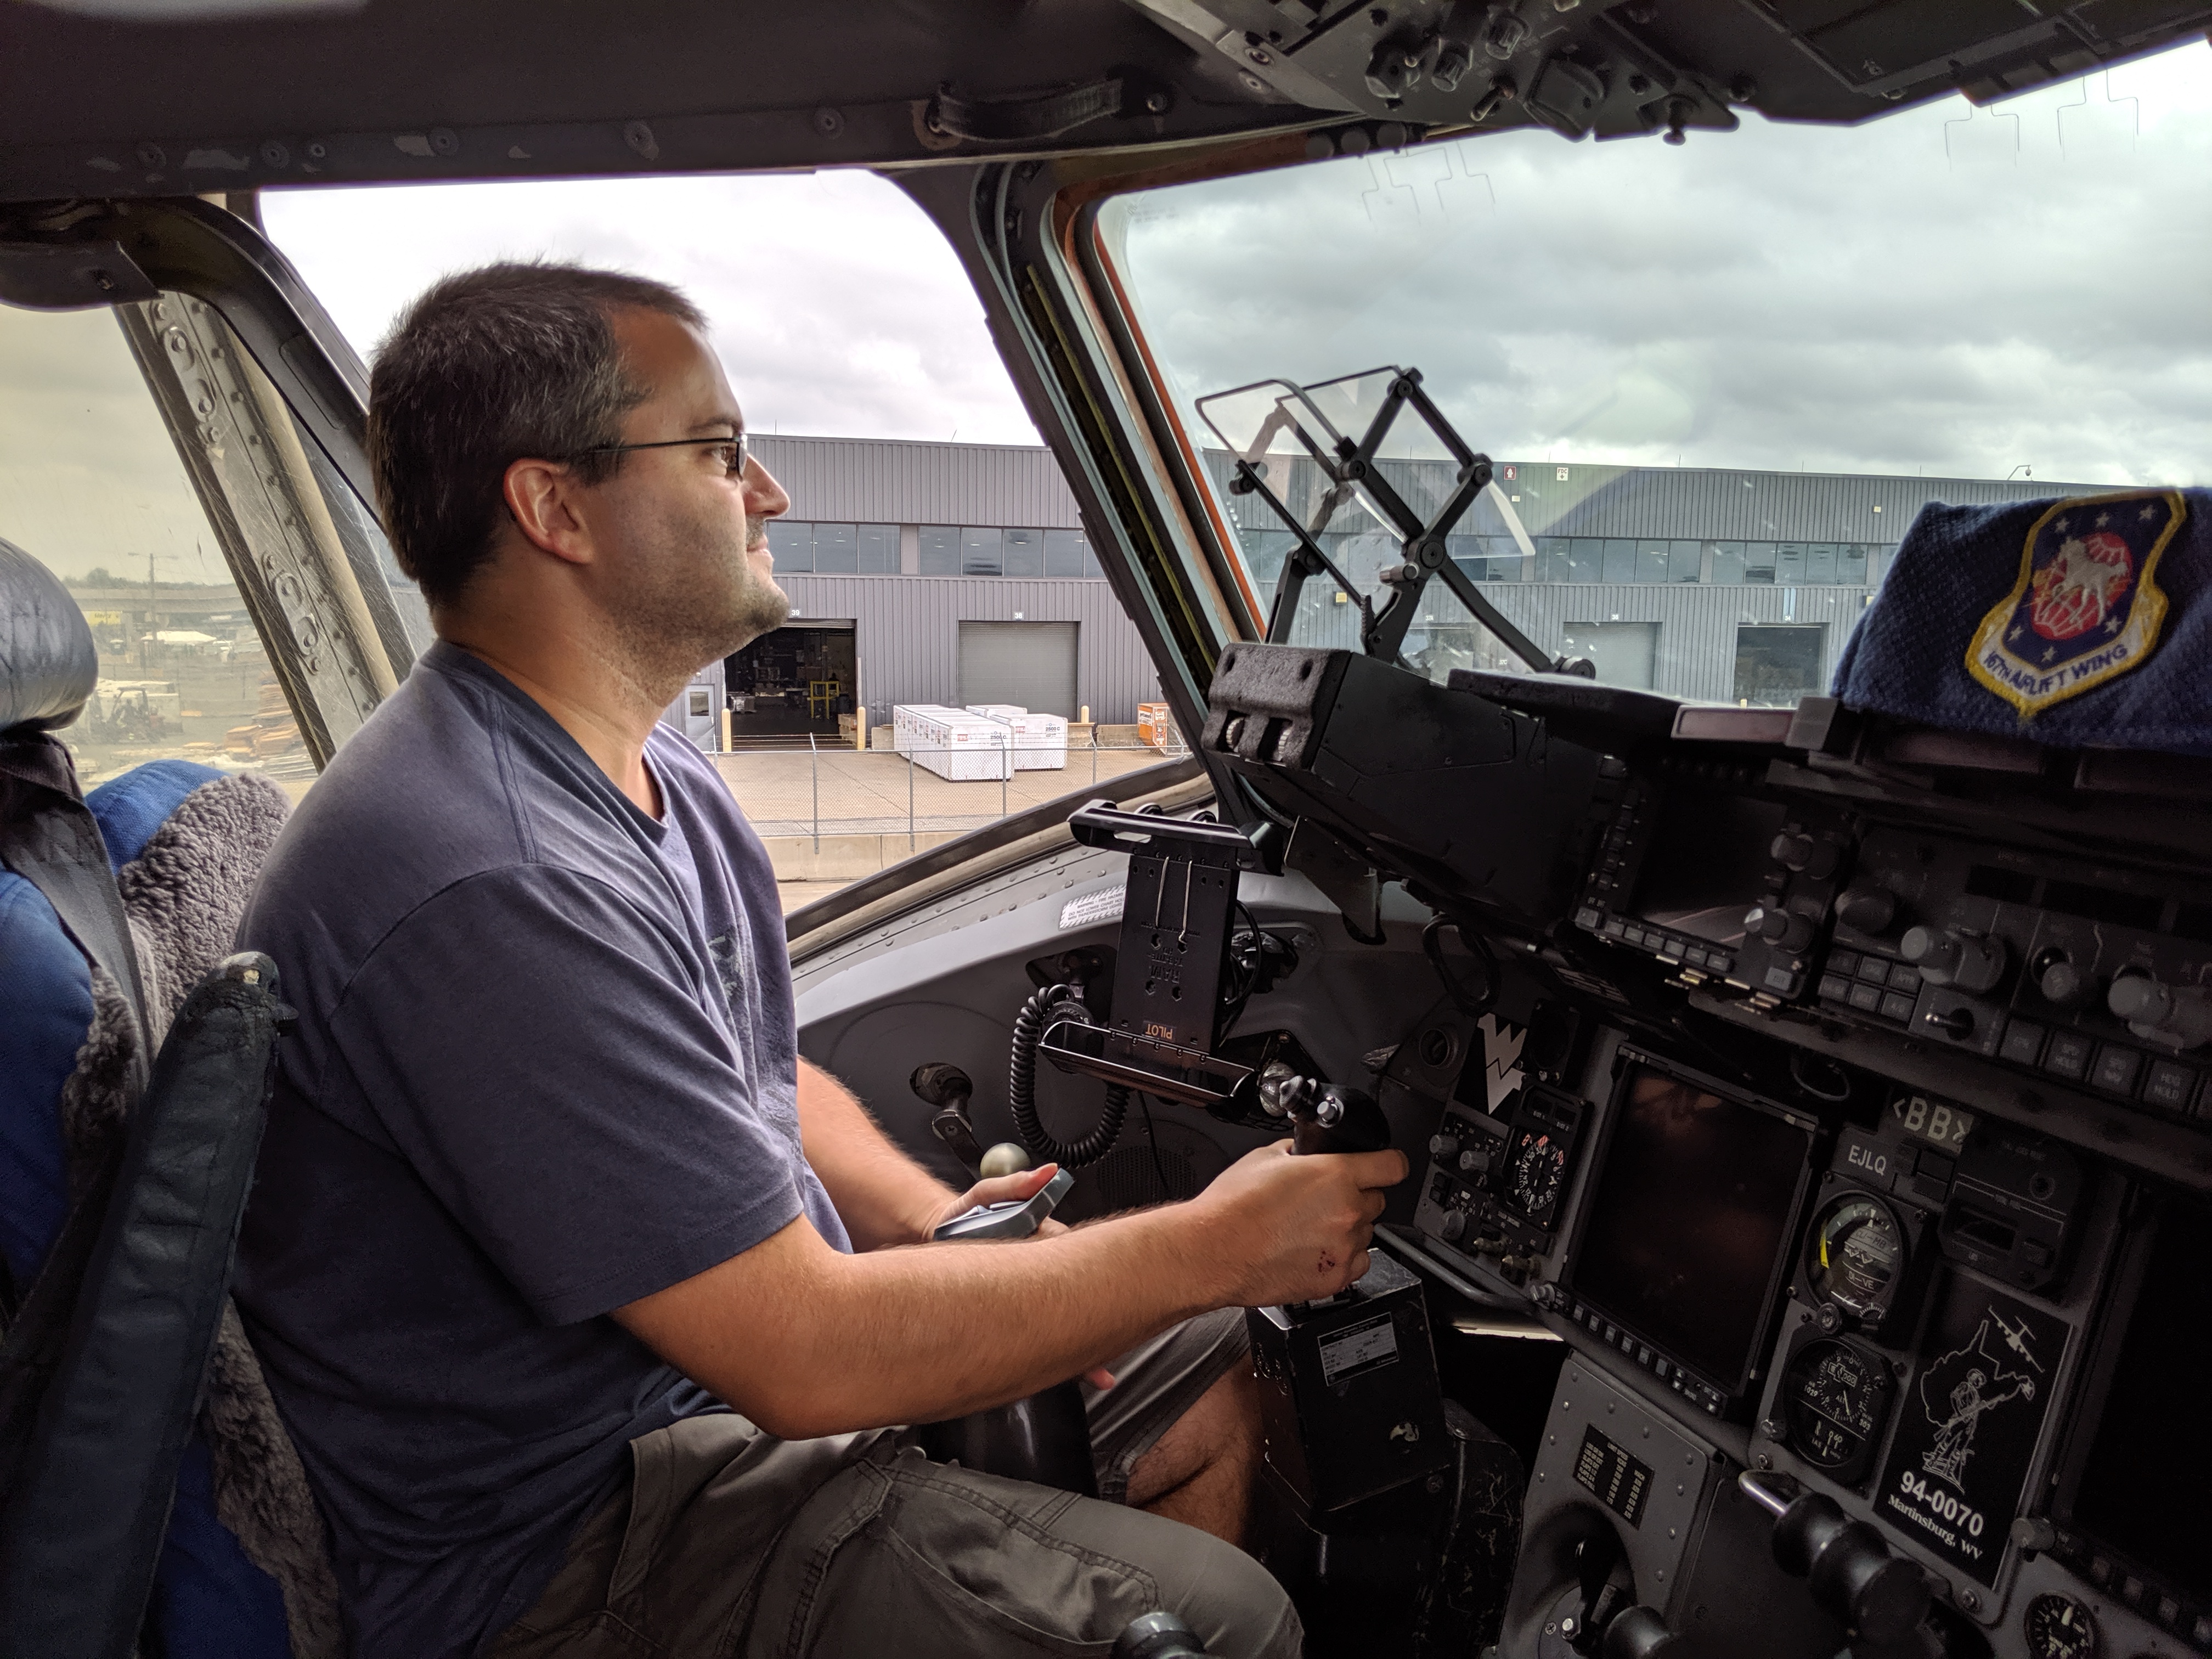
x: 1200, y: 1471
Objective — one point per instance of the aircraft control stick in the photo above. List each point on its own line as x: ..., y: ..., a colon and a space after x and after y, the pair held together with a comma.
x: 1324, y: 1117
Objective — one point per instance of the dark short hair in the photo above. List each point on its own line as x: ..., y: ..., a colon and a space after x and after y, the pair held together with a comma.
x: 488, y: 366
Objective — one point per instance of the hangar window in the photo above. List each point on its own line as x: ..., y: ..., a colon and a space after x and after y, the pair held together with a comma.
x: 833, y: 550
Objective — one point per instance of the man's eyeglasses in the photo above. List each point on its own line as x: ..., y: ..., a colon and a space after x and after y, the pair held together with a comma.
x: 736, y: 451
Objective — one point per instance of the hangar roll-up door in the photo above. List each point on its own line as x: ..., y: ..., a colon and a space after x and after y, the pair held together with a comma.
x: 1028, y: 664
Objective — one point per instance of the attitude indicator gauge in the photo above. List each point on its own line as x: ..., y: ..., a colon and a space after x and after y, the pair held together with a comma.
x: 1856, y: 1257
x: 1835, y: 1398
x: 2059, y: 1627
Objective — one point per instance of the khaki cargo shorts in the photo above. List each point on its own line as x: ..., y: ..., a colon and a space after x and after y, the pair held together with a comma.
x: 732, y: 1542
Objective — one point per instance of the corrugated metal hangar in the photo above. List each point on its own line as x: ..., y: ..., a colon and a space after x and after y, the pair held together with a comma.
x: 959, y: 573
x: 928, y: 573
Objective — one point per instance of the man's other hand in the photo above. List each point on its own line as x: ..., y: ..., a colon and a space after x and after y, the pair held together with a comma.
x: 1296, y: 1228
x: 1016, y: 1188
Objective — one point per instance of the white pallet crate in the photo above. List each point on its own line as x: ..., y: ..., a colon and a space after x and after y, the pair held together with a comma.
x: 907, y: 717
x: 954, y: 743
x: 1040, y: 740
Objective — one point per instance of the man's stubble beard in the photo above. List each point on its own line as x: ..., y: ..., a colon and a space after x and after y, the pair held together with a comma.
x: 697, y: 599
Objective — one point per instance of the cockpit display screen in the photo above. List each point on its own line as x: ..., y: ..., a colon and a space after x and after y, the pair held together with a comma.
x: 2141, y: 1490
x: 1693, y: 875
x: 1692, y: 1220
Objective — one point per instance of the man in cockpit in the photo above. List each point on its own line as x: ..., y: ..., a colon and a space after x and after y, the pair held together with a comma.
x: 576, y: 1286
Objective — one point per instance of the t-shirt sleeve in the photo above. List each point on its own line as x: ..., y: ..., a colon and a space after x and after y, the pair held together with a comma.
x: 536, y: 1049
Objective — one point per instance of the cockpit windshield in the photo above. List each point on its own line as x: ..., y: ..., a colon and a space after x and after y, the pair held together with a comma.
x: 1715, y: 381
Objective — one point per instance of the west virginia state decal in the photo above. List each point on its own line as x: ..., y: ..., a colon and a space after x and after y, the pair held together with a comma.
x: 2085, y: 609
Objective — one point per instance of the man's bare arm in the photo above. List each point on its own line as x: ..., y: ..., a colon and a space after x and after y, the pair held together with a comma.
x: 883, y: 1196
x: 806, y: 1340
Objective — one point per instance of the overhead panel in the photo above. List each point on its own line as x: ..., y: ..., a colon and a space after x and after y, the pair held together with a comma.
x: 1618, y: 70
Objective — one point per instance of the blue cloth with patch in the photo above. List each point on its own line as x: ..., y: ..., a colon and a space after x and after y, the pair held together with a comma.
x: 2078, y: 624
x: 209, y: 1599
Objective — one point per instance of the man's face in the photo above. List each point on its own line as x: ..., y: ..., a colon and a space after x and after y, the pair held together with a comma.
x: 685, y: 544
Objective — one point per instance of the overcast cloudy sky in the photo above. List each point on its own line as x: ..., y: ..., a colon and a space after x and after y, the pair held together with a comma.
x: 1952, y: 290
x: 838, y: 307
x: 1948, y: 290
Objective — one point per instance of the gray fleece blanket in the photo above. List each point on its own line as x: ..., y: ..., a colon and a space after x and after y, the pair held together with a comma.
x: 184, y: 894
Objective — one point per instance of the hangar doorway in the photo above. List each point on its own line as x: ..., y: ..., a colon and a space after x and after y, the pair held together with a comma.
x: 1031, y: 664
x: 793, y: 681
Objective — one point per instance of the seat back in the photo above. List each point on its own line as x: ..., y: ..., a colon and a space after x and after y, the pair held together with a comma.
x: 87, y: 1511
x: 167, y: 854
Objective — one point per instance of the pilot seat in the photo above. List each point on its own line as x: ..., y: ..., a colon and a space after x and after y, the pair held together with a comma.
x: 150, y: 1500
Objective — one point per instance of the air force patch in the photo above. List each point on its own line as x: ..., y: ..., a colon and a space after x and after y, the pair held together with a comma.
x: 2085, y: 609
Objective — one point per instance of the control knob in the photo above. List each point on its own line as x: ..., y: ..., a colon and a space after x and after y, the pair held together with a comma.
x: 2062, y: 982
x: 2176, y: 1015
x: 1868, y: 909
x: 1973, y: 962
x: 1443, y: 1147
x: 1455, y: 1227
x: 1473, y: 1161
x: 1795, y: 851
x: 1793, y: 932
x: 1548, y: 1297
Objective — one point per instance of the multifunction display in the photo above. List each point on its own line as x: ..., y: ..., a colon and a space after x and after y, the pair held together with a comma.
x: 1692, y: 1221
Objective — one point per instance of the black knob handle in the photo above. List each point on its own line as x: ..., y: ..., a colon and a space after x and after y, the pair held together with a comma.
x: 1849, y: 1570
x: 1926, y: 947
x: 1785, y: 929
x: 1637, y: 1633
x: 1791, y: 851
x: 1973, y: 962
x: 1455, y: 1227
x: 2063, y: 983
x: 939, y: 1083
x: 1443, y: 1148
x: 1868, y: 909
x: 1473, y: 1161
x: 2137, y: 996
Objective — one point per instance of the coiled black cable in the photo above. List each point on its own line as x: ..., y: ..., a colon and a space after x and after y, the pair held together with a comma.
x: 1021, y: 1091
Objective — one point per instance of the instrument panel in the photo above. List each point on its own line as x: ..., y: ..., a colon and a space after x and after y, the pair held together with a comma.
x: 1887, y: 1122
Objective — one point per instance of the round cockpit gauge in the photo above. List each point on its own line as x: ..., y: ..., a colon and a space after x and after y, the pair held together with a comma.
x: 2059, y: 1627
x: 1835, y: 1397
x: 1857, y: 1255
x: 1539, y: 1169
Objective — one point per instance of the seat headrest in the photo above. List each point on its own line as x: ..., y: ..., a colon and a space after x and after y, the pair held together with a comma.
x: 48, y: 664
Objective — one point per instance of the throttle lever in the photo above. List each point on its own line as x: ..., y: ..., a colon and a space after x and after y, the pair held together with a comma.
x: 1846, y: 1563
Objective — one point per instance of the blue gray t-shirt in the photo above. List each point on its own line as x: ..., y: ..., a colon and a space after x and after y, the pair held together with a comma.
x: 546, y: 1066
